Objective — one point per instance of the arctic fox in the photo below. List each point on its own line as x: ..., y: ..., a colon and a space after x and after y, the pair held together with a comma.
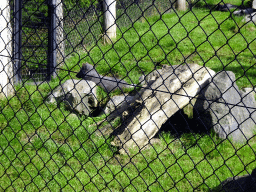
x: 88, y: 72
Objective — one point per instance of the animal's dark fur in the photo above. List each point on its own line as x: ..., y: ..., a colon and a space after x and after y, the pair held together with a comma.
x: 88, y: 72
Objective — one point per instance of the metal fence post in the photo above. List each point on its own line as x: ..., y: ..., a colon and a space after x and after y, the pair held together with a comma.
x: 51, y: 66
x: 17, y: 39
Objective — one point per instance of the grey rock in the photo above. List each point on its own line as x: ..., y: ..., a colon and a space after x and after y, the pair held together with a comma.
x: 88, y: 72
x: 171, y: 90
x: 226, y: 109
x: 250, y: 18
x: 77, y: 95
x: 116, y: 101
x: 147, y: 80
x: 238, y: 184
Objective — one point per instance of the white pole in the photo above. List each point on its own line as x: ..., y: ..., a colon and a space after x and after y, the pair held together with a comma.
x: 254, y: 4
x: 6, y: 67
x: 59, y: 33
x: 181, y: 5
x: 109, y: 8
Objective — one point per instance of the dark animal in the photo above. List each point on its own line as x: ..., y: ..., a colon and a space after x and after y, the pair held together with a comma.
x: 88, y: 72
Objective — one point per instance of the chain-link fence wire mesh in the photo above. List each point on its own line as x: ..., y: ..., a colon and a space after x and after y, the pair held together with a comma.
x: 88, y: 22
x: 59, y: 136
x: 30, y: 21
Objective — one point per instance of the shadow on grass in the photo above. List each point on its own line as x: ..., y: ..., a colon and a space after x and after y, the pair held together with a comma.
x: 218, y: 5
x: 180, y: 124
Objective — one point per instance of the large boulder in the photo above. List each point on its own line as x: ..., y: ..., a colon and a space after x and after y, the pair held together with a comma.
x: 239, y: 183
x: 168, y: 91
x: 116, y: 101
x: 250, y: 17
x: 226, y: 109
x: 77, y: 95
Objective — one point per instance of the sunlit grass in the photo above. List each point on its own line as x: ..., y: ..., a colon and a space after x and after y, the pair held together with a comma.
x: 213, y: 39
x: 48, y: 148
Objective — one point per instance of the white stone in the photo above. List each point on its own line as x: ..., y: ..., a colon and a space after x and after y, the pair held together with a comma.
x: 249, y: 18
x: 77, y: 95
x: 254, y: 4
x: 165, y: 96
x: 116, y: 102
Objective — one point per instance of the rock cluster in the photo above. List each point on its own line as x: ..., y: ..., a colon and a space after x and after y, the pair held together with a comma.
x: 168, y: 90
x: 220, y: 106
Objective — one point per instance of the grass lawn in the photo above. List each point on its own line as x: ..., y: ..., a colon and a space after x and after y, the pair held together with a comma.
x: 213, y: 39
x: 46, y: 148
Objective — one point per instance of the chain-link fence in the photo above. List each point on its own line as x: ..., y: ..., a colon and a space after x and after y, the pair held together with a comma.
x: 167, y: 105
x: 88, y: 22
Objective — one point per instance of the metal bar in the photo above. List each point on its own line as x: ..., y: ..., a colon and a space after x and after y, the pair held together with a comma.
x: 17, y: 40
x: 51, y: 40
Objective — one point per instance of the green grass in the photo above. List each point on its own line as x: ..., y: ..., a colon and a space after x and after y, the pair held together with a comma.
x: 214, y: 40
x: 46, y: 148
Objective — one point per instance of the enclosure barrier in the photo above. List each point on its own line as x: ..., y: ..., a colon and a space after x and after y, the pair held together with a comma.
x: 168, y: 104
x: 6, y: 72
